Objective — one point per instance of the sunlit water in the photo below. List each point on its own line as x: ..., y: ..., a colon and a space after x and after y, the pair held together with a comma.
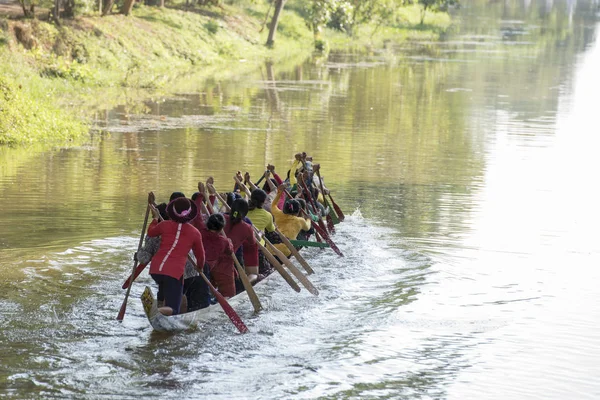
x: 467, y: 172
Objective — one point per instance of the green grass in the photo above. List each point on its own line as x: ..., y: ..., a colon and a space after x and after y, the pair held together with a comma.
x: 89, y: 62
x: 25, y: 119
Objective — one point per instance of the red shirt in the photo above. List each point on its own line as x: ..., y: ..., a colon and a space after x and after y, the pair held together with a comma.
x: 240, y: 234
x: 218, y: 249
x: 175, y: 243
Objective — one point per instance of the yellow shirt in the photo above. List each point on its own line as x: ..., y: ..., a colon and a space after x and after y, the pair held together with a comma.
x: 289, y: 225
x: 261, y: 219
x: 293, y: 170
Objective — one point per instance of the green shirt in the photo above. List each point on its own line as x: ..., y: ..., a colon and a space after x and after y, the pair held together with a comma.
x: 261, y: 219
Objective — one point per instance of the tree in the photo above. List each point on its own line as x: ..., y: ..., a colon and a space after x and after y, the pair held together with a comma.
x: 318, y: 14
x: 275, y: 21
x: 347, y: 15
x: 107, y: 7
x: 435, y: 5
x: 56, y: 11
x: 127, y: 6
x: 28, y: 8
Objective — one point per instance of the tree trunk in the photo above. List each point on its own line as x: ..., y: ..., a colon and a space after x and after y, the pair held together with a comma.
x: 127, y: 7
x: 107, y: 7
x: 423, y: 13
x: 274, y: 21
x: 28, y: 11
x: 69, y: 6
x: 56, y: 12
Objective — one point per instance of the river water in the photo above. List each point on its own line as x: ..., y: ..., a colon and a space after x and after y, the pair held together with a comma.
x: 466, y: 168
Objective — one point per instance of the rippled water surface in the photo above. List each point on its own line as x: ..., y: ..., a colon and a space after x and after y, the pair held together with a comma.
x: 467, y: 171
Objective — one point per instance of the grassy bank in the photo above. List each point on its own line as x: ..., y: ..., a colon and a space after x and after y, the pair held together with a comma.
x: 52, y: 74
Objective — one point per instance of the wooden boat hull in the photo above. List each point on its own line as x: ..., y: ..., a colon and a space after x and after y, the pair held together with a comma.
x: 181, y: 322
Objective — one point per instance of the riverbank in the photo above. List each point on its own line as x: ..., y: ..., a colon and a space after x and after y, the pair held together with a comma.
x: 57, y: 74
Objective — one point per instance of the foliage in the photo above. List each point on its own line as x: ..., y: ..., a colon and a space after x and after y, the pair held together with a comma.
x: 436, y: 6
x: 212, y: 26
x: 318, y: 14
x: 348, y: 15
x: 342, y: 16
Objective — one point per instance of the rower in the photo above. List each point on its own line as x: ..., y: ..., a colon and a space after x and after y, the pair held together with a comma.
x: 263, y: 221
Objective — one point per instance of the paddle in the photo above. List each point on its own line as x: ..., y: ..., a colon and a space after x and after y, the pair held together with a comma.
x: 229, y: 311
x: 137, y: 273
x: 313, y: 203
x: 265, y: 252
x: 295, y: 252
x: 278, y: 267
x: 245, y: 281
x: 330, y: 222
x: 121, y: 314
x: 308, y: 243
x: 283, y: 238
x: 299, y: 275
x: 279, y: 254
x: 318, y: 229
x: 338, y: 210
x: 331, y: 214
x: 233, y: 316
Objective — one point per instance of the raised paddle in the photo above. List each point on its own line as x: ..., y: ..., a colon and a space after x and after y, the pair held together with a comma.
x: 338, y: 210
x: 266, y: 252
x: 229, y: 311
x: 121, y: 314
x: 283, y: 238
x: 330, y: 222
x: 319, y: 230
x: 331, y: 215
x: 311, y: 200
x: 245, y: 281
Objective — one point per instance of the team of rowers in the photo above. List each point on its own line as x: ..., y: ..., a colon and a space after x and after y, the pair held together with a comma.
x: 220, y: 230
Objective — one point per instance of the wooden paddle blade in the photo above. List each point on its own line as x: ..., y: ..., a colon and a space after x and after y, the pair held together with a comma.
x: 277, y: 265
x: 300, y: 276
x: 333, y: 215
x: 330, y: 224
x: 247, y: 286
x: 318, y: 237
x: 137, y: 273
x: 308, y: 243
x: 233, y: 316
x: 229, y: 311
x: 323, y: 227
x: 327, y: 239
x: 287, y: 277
x: 294, y: 251
x: 337, y: 209
x: 295, y: 271
x: 121, y: 314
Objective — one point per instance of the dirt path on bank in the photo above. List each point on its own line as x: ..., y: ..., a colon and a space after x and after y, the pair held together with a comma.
x: 12, y: 9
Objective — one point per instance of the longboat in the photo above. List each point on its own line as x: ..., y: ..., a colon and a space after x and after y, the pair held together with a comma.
x: 192, y: 319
